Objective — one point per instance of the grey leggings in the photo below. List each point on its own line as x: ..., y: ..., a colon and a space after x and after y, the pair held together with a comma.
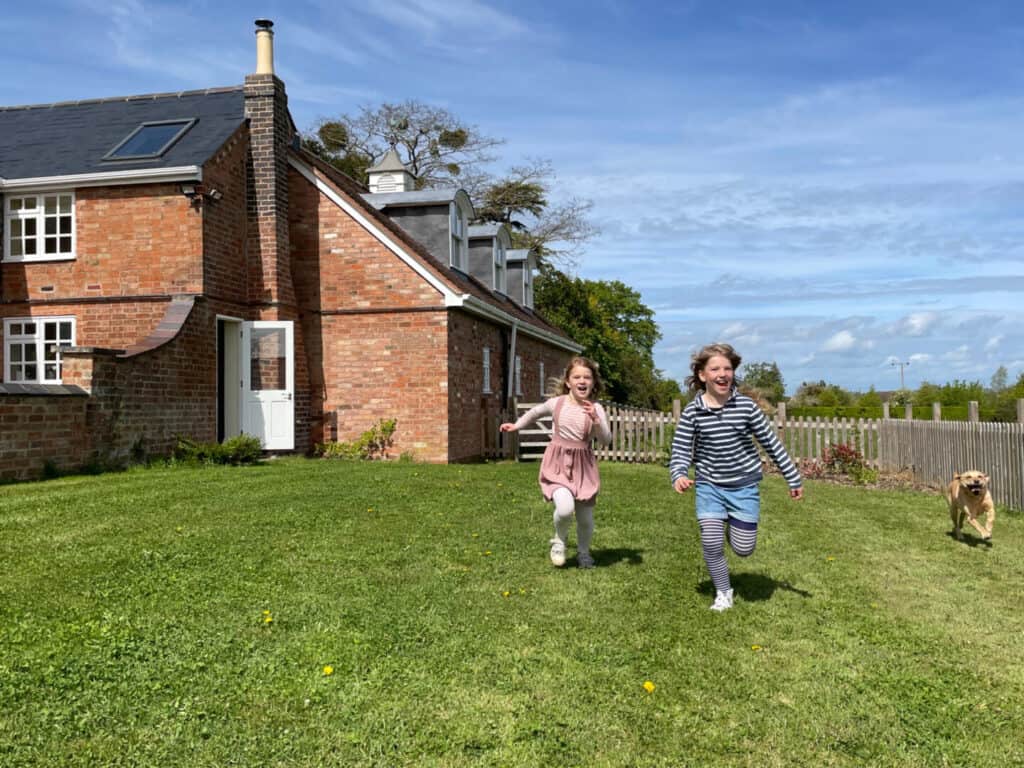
x: 565, y: 507
x: 742, y: 540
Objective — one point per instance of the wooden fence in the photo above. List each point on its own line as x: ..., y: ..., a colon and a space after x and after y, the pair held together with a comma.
x: 638, y: 435
x: 931, y: 450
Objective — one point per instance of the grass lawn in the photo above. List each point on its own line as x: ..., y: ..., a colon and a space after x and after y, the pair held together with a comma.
x: 307, y: 613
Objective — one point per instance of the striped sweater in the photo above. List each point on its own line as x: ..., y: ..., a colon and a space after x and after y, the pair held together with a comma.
x: 718, y: 442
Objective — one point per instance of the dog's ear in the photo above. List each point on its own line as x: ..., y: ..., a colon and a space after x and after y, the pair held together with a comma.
x: 956, y: 476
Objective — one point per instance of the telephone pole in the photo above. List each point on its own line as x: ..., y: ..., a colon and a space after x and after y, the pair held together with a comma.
x: 901, y: 365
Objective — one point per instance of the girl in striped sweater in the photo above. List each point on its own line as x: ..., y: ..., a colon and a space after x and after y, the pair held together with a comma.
x: 716, y: 433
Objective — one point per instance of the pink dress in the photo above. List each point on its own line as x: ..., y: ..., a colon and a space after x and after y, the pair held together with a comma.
x: 569, y: 460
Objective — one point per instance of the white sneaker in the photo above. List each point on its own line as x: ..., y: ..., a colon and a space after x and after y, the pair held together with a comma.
x: 723, y: 601
x: 557, y: 552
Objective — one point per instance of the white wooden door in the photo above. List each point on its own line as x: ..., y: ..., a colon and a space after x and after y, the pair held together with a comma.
x: 268, y: 383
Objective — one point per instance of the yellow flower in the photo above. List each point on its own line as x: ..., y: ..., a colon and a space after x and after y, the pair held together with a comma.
x: 487, y: 552
x: 266, y: 613
x: 328, y: 670
x: 755, y: 647
x: 829, y: 559
x: 268, y: 619
x: 506, y: 593
x: 476, y: 535
x: 649, y: 686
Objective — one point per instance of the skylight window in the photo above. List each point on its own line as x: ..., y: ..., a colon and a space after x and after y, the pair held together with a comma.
x: 150, y: 140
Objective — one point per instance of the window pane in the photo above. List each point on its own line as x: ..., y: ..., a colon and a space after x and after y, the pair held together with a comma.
x: 50, y: 204
x: 65, y: 331
x: 65, y: 245
x: 30, y: 227
x: 50, y: 226
x: 15, y: 372
x: 50, y: 372
x: 15, y: 329
x: 16, y: 203
x: 65, y: 203
x: 50, y: 351
x: 30, y: 353
x: 30, y: 247
x: 149, y: 140
x: 16, y: 228
x: 15, y: 353
x: 51, y: 245
x: 30, y: 372
x: 16, y: 248
x: 30, y: 329
x: 65, y: 225
x: 49, y: 331
x: 267, y: 369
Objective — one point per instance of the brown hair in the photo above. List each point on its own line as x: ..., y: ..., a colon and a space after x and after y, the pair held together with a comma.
x: 561, y: 386
x: 700, y: 360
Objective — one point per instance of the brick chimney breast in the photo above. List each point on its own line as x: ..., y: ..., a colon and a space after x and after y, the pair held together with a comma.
x: 270, y: 135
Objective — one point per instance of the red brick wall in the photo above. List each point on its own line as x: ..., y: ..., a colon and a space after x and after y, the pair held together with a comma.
x: 225, y: 223
x: 470, y: 410
x: 40, y: 428
x: 375, y: 331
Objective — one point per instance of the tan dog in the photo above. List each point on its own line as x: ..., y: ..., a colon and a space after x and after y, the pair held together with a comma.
x: 968, y: 499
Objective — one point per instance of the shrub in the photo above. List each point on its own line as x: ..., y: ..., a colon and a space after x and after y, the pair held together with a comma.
x: 243, y: 449
x: 372, y: 444
x: 846, y: 460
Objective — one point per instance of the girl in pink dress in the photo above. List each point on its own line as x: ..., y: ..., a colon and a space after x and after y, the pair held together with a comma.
x: 568, y: 471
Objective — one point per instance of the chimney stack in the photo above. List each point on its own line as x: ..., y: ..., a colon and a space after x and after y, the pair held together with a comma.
x: 270, y: 136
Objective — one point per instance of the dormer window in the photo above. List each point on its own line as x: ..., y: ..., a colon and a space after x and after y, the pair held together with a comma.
x: 459, y: 240
x: 150, y: 140
x: 500, y: 278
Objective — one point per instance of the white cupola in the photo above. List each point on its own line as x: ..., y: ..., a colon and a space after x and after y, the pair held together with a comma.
x: 390, y: 175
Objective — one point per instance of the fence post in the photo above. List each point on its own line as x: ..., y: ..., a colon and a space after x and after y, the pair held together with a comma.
x: 936, y: 411
x: 677, y: 408
x: 885, y: 410
x: 908, y: 412
x: 1020, y: 410
x: 972, y: 411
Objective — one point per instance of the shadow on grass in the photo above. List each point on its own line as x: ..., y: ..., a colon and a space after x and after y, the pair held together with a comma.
x: 754, y: 587
x: 606, y: 557
x: 971, y: 540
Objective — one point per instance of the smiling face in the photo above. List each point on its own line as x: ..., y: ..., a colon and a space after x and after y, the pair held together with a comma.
x: 717, y: 376
x: 580, y: 382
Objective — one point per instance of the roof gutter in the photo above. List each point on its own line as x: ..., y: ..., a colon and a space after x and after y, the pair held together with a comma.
x: 104, y: 178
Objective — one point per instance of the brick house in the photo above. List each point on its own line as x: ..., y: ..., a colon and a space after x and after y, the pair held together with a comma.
x: 175, y: 265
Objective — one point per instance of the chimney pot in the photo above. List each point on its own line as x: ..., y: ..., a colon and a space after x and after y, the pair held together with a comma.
x: 264, y: 47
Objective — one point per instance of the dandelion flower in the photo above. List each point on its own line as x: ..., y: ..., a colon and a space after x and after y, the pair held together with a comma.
x: 506, y: 593
x: 266, y: 613
x: 476, y: 535
x: 649, y: 686
x: 268, y: 619
x: 487, y: 552
x: 829, y: 559
x: 328, y: 670
x: 755, y: 647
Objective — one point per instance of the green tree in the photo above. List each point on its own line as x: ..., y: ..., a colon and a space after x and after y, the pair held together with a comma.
x: 870, y: 399
x: 766, y: 379
x: 555, y: 232
x: 615, y: 329
x: 999, y: 379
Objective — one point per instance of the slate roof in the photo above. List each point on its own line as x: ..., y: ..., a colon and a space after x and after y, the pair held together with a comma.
x: 70, y: 138
x: 489, y: 229
x: 382, y: 200
x: 459, y: 280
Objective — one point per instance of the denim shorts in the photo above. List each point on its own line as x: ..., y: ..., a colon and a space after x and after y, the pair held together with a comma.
x: 717, y: 503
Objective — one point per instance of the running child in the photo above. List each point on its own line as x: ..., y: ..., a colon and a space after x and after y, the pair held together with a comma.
x: 714, y: 434
x: 568, y: 471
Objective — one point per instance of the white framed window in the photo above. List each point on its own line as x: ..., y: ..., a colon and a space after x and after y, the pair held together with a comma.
x: 39, y: 226
x: 32, y: 348
x: 519, y: 376
x: 459, y: 241
x: 500, y: 277
x: 487, y: 371
x: 542, y: 379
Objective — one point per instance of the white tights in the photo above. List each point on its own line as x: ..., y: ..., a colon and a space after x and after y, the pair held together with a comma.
x: 565, y: 507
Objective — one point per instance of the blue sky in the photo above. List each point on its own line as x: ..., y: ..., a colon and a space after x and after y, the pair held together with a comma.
x: 832, y: 186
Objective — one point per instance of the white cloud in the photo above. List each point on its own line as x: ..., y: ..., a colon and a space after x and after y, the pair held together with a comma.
x: 993, y: 344
x: 839, y: 342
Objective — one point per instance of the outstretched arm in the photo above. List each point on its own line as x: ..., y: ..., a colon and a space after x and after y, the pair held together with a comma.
x: 538, y: 411
x: 682, y: 453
